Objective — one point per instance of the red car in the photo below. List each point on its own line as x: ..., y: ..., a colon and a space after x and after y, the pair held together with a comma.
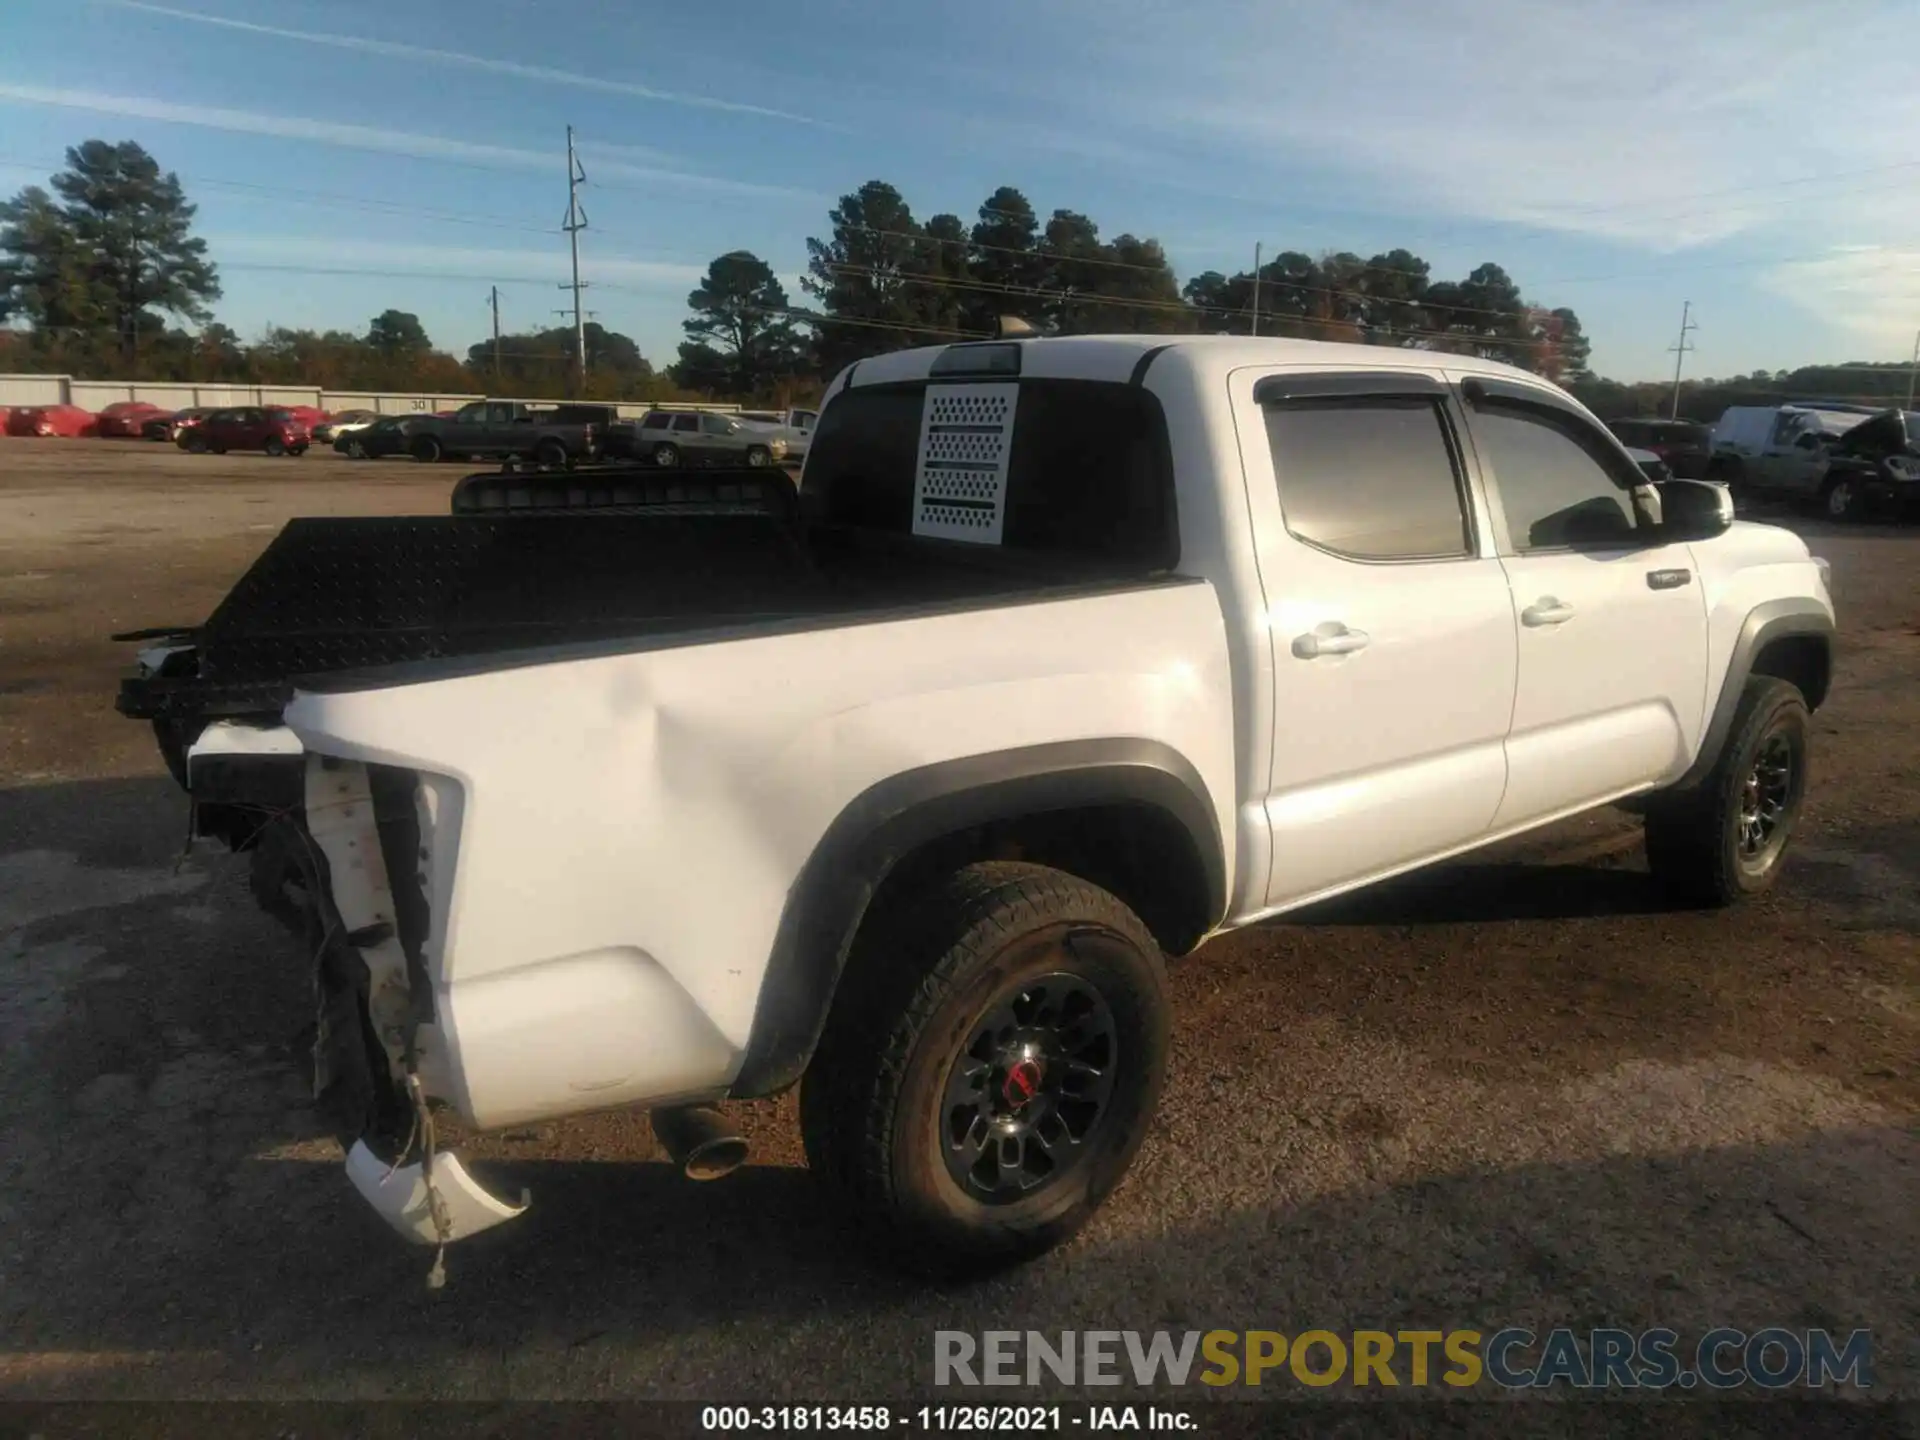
x: 247, y: 427
x: 67, y: 421
x: 124, y: 418
x: 307, y: 415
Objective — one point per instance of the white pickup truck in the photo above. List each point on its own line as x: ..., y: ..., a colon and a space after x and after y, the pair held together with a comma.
x: 1067, y: 655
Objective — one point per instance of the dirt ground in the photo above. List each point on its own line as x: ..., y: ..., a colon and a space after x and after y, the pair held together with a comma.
x: 1517, y: 1091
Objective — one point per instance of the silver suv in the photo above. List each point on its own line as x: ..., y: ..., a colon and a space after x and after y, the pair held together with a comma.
x: 682, y: 437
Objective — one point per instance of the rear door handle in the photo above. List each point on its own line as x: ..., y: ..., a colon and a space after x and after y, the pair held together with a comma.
x: 1668, y: 579
x: 1329, y: 639
x: 1546, y: 611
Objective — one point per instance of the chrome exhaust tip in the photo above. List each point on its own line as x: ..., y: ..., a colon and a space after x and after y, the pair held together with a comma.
x: 700, y: 1141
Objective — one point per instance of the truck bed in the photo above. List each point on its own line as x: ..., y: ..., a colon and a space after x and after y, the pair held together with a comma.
x: 332, y: 596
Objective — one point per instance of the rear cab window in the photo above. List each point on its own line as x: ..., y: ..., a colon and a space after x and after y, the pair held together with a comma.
x: 1088, y: 473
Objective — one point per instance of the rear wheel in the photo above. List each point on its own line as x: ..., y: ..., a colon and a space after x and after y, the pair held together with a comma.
x: 550, y: 454
x: 425, y: 449
x: 1725, y: 838
x: 992, y: 1067
x: 666, y: 455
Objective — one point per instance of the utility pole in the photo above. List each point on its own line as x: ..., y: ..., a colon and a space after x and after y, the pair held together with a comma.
x: 575, y: 222
x: 1913, y: 373
x: 1680, y: 349
x: 496, y: 336
x: 1256, y: 287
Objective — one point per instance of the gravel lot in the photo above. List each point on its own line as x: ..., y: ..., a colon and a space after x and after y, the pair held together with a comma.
x: 1515, y: 1092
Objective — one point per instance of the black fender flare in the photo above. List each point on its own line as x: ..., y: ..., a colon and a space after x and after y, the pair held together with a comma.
x: 1767, y: 622
x: 889, y: 820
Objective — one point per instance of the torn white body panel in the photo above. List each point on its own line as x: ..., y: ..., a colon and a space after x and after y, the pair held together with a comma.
x: 606, y: 891
x: 403, y: 1200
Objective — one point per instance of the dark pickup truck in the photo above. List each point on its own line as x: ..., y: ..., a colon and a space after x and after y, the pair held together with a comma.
x: 549, y: 435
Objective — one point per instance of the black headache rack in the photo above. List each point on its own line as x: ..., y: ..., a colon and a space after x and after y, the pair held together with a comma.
x: 526, y: 560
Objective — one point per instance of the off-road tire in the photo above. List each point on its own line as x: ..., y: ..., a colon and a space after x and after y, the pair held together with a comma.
x: 1693, y: 837
x: 923, y: 974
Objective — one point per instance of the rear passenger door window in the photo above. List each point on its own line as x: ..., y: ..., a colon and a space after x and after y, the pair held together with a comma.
x: 1370, y: 478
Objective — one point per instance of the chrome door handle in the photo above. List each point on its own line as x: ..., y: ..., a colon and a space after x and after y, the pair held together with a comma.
x: 1546, y: 611
x: 1329, y: 639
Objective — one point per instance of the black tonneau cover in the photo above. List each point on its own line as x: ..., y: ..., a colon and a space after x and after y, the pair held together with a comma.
x: 534, y: 561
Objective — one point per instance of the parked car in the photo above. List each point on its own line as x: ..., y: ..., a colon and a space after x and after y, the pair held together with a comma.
x: 386, y: 435
x: 1779, y: 449
x: 500, y: 428
x: 67, y: 422
x: 168, y: 426
x: 793, y: 426
x: 1685, y: 445
x: 126, y: 419
x: 675, y: 437
x: 247, y: 427
x: 904, y: 795
x: 1874, y: 468
x: 342, y: 423
x: 1651, y: 465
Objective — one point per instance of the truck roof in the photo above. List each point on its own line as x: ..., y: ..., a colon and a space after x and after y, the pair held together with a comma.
x: 1113, y: 357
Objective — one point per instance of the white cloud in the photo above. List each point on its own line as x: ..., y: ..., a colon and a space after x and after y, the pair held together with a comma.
x: 426, y: 54
x: 1608, y: 121
x: 321, y: 253
x: 1870, y: 291
x: 361, y: 137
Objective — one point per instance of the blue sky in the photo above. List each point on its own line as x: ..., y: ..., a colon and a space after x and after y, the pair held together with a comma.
x: 349, y: 156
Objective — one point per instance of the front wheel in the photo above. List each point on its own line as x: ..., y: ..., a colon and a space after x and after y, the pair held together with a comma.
x: 758, y: 456
x: 275, y: 446
x: 1841, y: 499
x: 355, y: 450
x: 426, y: 449
x: 992, y: 1066
x: 1726, y: 838
x: 550, y: 455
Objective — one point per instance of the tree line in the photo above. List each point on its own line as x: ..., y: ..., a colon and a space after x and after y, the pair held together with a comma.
x: 103, y: 274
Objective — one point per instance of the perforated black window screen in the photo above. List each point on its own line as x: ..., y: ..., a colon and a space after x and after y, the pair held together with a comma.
x: 1089, y: 475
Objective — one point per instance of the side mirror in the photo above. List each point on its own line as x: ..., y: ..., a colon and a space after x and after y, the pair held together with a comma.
x: 1694, y: 509
x: 1808, y: 441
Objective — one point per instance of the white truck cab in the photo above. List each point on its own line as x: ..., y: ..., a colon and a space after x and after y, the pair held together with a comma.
x: 1067, y: 655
